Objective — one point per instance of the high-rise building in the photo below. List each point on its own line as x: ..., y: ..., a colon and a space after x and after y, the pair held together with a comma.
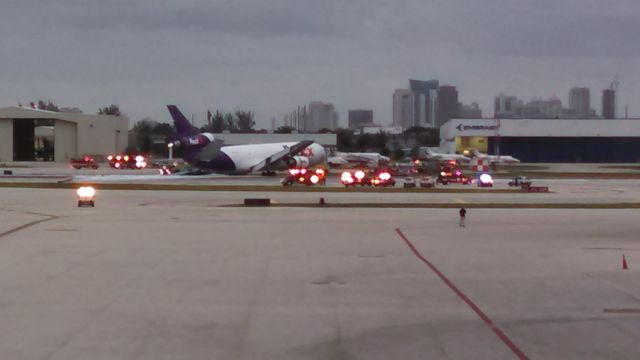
x: 425, y: 102
x: 609, y: 104
x: 321, y: 116
x: 402, y: 108
x: 447, y: 104
x: 579, y: 102
x: 507, y: 107
x: 472, y: 111
x: 359, y: 118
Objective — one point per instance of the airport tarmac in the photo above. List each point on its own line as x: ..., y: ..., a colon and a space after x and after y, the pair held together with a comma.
x: 172, y: 275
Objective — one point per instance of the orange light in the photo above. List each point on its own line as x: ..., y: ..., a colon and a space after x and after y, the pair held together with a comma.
x: 126, y: 158
x: 301, y: 179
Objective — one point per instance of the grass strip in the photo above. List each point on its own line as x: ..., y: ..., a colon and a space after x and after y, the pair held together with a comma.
x: 604, y: 206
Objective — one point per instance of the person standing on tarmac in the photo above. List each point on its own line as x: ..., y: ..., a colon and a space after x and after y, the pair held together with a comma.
x: 463, y: 214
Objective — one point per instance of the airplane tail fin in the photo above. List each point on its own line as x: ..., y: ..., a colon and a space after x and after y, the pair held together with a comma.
x: 183, y: 126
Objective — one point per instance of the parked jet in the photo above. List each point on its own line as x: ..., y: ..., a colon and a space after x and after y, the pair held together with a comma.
x: 203, y: 151
x: 494, y: 159
x: 372, y: 160
x: 432, y: 154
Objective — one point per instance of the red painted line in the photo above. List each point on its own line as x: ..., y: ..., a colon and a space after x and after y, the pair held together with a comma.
x: 505, y: 339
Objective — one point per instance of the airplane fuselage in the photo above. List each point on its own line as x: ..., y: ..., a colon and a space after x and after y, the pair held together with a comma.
x: 238, y: 159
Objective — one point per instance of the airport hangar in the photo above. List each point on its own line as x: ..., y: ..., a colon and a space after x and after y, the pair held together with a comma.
x: 29, y: 134
x: 546, y: 140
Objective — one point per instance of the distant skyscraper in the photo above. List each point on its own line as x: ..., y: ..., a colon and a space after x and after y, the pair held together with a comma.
x: 425, y: 102
x: 358, y: 118
x: 472, y: 111
x: 321, y: 116
x: 507, y: 107
x: 402, y: 108
x: 579, y: 102
x: 609, y: 104
x: 447, y: 104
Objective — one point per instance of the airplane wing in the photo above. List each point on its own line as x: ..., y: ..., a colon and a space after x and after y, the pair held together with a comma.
x: 210, y: 151
x: 286, y: 152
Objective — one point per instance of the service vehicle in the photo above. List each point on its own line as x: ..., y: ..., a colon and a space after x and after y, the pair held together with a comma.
x: 305, y: 177
x: 409, y: 182
x: 84, y: 162
x: 127, y: 161
x: 485, y: 180
x: 520, y: 181
x: 376, y: 178
x: 427, y: 181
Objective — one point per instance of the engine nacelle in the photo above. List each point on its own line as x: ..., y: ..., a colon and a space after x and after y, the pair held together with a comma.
x: 298, y: 162
x: 199, y: 140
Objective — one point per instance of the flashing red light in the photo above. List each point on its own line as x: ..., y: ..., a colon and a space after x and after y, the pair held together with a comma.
x: 118, y: 157
x: 110, y: 157
x: 139, y: 158
x: 346, y: 177
x: 359, y: 174
x: 294, y: 171
x: 117, y: 165
x: 384, y: 176
x: 417, y: 162
x: 314, y: 179
x: 303, y: 171
x: 458, y: 173
x: 320, y: 172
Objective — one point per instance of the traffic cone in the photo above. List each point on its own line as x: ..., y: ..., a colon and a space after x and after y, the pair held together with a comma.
x: 625, y: 266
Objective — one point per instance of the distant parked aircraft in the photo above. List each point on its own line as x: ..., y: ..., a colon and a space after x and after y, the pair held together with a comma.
x: 494, y: 159
x: 371, y: 159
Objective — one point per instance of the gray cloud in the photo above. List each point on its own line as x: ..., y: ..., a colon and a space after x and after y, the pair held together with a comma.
x: 273, y: 55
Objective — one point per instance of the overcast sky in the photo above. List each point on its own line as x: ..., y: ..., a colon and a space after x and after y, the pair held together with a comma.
x: 271, y: 55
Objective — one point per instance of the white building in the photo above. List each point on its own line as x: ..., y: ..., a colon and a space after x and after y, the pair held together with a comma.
x: 28, y: 134
x: 546, y: 140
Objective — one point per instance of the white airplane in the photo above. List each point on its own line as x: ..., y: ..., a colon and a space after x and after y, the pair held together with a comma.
x: 432, y: 154
x: 205, y: 152
x: 494, y: 159
x: 357, y: 159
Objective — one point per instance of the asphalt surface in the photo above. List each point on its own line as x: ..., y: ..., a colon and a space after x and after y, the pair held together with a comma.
x: 172, y: 275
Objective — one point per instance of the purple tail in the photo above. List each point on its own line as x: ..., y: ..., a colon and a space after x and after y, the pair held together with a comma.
x: 183, y: 126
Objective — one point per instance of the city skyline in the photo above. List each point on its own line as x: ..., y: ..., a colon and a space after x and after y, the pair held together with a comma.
x: 268, y: 57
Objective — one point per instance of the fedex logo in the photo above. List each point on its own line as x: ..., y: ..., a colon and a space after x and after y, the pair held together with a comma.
x: 308, y: 152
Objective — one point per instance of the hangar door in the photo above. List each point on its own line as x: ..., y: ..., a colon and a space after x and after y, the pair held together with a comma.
x: 33, y: 140
x: 66, y: 134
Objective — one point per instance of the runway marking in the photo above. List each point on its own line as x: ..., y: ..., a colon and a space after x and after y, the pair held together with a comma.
x: 460, y: 201
x: 505, y: 339
x: 22, y: 227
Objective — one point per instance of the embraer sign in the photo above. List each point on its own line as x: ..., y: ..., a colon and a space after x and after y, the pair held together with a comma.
x: 463, y: 127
